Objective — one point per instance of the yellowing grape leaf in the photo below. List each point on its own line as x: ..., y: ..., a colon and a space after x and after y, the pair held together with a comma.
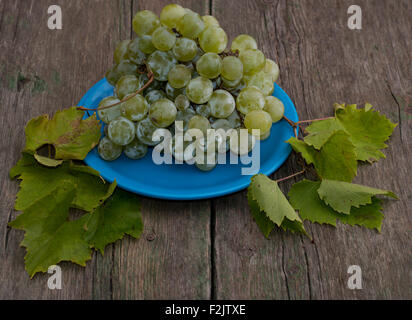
x: 342, y: 196
x: 71, y: 136
x: 119, y: 215
x: 367, y: 128
x: 267, y: 200
x: 38, y: 181
x: 305, y: 198
x: 50, y: 237
x: 335, y: 160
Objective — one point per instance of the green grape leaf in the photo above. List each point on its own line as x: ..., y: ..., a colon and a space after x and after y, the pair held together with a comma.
x: 367, y: 128
x: 266, y: 197
x: 308, y: 152
x: 336, y: 159
x: 264, y: 223
x: 369, y: 216
x: 49, y: 235
x: 71, y: 136
x: 305, y: 198
x: 38, y: 181
x: 119, y: 215
x: 342, y: 196
x: 48, y: 162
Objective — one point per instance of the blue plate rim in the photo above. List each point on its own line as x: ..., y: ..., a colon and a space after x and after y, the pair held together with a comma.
x: 204, y: 195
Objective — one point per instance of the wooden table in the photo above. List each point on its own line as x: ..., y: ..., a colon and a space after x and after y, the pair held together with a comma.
x: 212, y: 248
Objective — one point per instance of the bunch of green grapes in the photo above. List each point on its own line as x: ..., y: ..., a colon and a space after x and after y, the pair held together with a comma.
x: 198, y: 80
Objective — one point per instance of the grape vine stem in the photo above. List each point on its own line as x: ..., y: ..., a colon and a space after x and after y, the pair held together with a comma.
x: 294, y: 125
x: 150, y: 75
x: 291, y: 176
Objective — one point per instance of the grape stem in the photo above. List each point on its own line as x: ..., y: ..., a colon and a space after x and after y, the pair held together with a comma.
x: 150, y: 75
x: 291, y: 176
x: 294, y: 125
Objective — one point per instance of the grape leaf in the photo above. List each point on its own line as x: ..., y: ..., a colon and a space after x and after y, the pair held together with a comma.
x: 267, y: 199
x: 50, y: 237
x: 305, y: 198
x: 48, y: 162
x: 38, y: 181
x: 342, y: 196
x: 367, y: 128
x: 119, y: 215
x: 335, y: 160
x: 71, y: 136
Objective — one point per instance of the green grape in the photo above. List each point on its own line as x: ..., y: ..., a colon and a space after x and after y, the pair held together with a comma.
x: 190, y: 25
x: 145, y: 130
x: 263, y: 81
x: 230, y: 84
x: 210, y: 21
x: 274, y: 107
x: 253, y: 61
x: 185, y: 49
x: 161, y: 63
x: 232, y: 68
x: 107, y: 150
x: 250, y: 98
x: 135, y: 149
x: 209, y: 65
x: 199, y: 90
x: 120, y: 53
x: 121, y: 131
x: 199, y: 122
x: 154, y: 95
x: 172, y: 93
x: 243, y: 42
x: 125, y: 67
x: 234, y: 120
x: 185, y: 117
x: 272, y: 68
x: 264, y: 136
x: 238, y: 144
x: 145, y: 44
x: 221, y: 124
x: 179, y: 76
x: 182, y: 102
x: 203, y: 110
x: 126, y: 85
x: 134, y: 53
x: 145, y: 22
x: 134, y: 109
x: 171, y: 14
x: 207, y: 164
x: 221, y: 104
x: 258, y: 119
x: 178, y: 148
x: 163, y: 39
x: 109, y: 114
x: 163, y: 113
x: 213, y: 39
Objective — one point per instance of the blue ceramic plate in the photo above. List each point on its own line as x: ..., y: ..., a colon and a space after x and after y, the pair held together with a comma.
x: 183, y: 181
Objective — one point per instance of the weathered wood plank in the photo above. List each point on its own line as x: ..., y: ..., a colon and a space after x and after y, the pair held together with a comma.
x: 60, y: 67
x: 323, y: 62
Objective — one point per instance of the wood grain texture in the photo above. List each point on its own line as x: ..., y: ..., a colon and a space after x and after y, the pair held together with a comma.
x: 213, y: 248
x: 323, y: 62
